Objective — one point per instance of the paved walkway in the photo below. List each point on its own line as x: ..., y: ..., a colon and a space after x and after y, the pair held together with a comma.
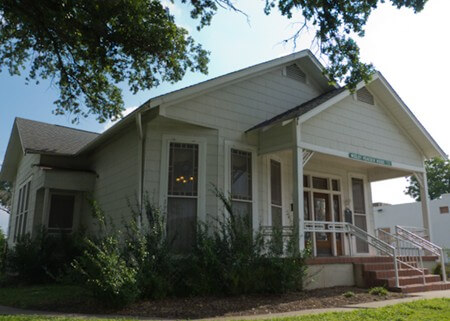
x: 370, y: 305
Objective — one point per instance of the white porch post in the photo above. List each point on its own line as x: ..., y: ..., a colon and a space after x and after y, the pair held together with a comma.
x: 425, y: 201
x: 297, y: 164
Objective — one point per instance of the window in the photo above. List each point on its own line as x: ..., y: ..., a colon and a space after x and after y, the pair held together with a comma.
x: 61, y: 212
x: 443, y: 210
x: 320, y: 183
x: 241, y: 184
x: 275, y: 194
x: 182, y: 195
x: 335, y: 185
x: 22, y: 210
x: 295, y: 73
x: 365, y: 96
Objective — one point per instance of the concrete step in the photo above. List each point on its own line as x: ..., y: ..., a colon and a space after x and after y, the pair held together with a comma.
x: 385, y: 274
x: 385, y: 266
x: 410, y: 280
x: 435, y: 286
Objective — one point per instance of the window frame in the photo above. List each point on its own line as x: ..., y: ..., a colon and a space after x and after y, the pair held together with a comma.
x: 164, y: 173
x: 269, y: 189
x: 75, y: 211
x: 22, y: 208
x: 229, y: 145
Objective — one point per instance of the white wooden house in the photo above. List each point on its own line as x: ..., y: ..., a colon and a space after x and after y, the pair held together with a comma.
x: 291, y: 150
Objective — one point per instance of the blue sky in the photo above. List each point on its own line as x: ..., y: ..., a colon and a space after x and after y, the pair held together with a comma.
x: 410, y: 50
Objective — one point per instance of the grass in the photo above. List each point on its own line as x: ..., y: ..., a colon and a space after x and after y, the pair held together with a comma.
x: 44, y: 296
x: 421, y: 310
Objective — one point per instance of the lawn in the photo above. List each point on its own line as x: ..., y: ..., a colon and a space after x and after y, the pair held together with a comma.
x: 423, y: 310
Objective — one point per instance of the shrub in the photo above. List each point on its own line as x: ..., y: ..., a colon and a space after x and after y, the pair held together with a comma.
x: 438, y: 270
x: 378, y: 290
x: 44, y: 258
x: 349, y: 294
x: 104, y: 268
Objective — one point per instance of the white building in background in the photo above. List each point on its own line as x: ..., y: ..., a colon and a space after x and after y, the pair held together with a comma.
x: 387, y: 216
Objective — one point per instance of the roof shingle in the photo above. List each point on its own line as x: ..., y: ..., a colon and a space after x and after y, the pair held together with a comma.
x: 52, y: 139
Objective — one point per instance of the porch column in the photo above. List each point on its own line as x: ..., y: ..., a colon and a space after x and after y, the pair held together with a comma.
x: 425, y: 201
x: 297, y: 163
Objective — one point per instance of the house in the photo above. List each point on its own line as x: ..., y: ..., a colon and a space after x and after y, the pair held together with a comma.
x: 292, y: 151
x: 387, y: 217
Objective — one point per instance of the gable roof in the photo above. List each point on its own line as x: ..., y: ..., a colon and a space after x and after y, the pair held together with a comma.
x: 384, y: 91
x: 44, y: 138
x: 301, y: 109
x: 30, y: 136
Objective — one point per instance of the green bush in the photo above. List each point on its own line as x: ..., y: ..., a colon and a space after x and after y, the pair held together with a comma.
x: 103, y: 267
x: 44, y: 258
x: 438, y: 270
x: 378, y: 290
x: 349, y: 294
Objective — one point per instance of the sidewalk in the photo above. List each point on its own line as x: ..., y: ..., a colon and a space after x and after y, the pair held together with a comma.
x: 370, y: 305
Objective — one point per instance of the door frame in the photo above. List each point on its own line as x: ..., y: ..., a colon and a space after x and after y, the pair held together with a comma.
x: 367, y: 198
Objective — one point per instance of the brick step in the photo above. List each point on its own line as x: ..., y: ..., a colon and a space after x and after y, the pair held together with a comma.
x: 385, y: 266
x: 410, y: 280
x: 385, y: 274
x: 435, y: 286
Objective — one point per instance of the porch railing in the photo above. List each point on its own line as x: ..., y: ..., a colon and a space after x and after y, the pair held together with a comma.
x: 424, y: 244
x: 344, y: 227
x: 409, y: 253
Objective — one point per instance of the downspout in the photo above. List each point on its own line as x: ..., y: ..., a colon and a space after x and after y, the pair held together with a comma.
x: 141, y: 166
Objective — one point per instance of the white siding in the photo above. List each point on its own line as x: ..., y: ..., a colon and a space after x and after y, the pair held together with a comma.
x: 115, y: 164
x: 353, y: 126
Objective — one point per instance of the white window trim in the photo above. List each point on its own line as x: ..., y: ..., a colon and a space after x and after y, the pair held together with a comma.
x: 269, y: 189
x: 367, y: 199
x: 15, y: 232
x: 227, y: 181
x: 164, y: 173
x: 76, y: 208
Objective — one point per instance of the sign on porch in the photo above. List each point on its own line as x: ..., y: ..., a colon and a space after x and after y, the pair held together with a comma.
x: 370, y: 159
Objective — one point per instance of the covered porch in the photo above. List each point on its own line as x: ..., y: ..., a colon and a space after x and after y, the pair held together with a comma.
x: 325, y: 193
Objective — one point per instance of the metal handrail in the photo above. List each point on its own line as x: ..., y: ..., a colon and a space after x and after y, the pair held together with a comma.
x: 404, y: 253
x: 425, y: 244
x: 344, y: 227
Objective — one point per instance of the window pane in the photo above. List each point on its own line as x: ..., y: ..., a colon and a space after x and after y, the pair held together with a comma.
x: 337, y: 208
x: 183, y: 169
x: 320, y: 183
x: 61, y: 211
x: 358, y: 195
x: 27, y: 196
x: 335, y: 185
x: 181, y: 223
x: 24, y: 224
x: 16, y: 227
x: 19, y: 203
x: 277, y: 220
x: 241, y: 175
x: 243, y: 210
x: 306, y: 213
x: 275, y: 182
x: 305, y: 181
x: 19, y: 229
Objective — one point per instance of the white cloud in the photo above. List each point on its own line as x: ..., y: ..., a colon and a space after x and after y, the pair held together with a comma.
x: 109, y: 123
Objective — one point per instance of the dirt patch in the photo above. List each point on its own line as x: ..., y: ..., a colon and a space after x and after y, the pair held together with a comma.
x: 208, y: 307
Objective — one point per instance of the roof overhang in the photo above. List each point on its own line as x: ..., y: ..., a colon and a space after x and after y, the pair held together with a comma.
x: 14, y: 152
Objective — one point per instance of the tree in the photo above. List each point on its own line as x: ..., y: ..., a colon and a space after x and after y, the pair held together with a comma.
x: 5, y: 196
x: 88, y: 47
x: 438, y: 178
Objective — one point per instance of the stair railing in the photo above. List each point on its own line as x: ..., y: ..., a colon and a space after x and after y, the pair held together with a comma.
x: 425, y: 245
x: 343, y: 227
x: 409, y: 253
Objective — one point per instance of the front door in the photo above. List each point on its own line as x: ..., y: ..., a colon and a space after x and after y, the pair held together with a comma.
x: 322, y: 213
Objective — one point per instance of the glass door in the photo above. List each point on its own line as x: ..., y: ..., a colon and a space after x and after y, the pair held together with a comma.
x: 322, y: 213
